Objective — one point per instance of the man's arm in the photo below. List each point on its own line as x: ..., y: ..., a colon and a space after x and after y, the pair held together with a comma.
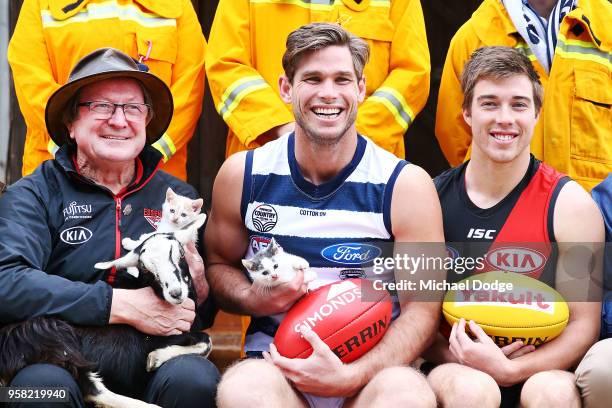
x: 414, y: 221
x: 145, y: 311
x: 390, y: 109
x: 577, y: 222
x: 247, y: 103
x: 602, y: 195
x: 226, y: 243
x: 26, y: 290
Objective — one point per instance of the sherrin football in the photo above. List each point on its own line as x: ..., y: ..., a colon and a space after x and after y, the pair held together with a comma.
x: 508, y: 307
x: 349, y: 325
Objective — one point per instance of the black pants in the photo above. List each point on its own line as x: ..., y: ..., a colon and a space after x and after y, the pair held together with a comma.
x: 183, y: 382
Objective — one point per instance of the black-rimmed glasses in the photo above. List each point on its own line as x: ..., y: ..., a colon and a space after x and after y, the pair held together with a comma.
x: 105, y: 110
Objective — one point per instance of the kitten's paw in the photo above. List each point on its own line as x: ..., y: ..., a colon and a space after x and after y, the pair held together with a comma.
x: 300, y: 264
x: 309, y: 275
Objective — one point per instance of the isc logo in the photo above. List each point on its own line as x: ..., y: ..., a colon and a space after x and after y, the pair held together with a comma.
x: 481, y: 233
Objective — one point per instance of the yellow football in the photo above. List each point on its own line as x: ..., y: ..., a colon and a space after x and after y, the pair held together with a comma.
x: 509, y: 307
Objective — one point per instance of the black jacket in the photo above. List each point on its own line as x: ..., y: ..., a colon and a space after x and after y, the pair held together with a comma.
x: 56, y: 224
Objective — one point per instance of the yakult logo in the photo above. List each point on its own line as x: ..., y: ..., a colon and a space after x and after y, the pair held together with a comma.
x: 517, y: 298
x: 351, y: 253
x: 75, y: 210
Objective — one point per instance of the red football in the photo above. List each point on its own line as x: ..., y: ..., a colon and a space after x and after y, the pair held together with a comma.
x: 349, y: 325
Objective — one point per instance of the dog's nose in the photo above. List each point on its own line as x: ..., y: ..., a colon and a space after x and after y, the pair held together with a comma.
x: 176, y: 293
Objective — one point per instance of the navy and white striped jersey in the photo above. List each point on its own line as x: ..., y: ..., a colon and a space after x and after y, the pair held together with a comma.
x: 339, y: 227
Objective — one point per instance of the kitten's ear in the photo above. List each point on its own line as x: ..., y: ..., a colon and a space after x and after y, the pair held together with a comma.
x: 197, y: 205
x: 170, y: 195
x: 273, y: 247
x: 249, y: 265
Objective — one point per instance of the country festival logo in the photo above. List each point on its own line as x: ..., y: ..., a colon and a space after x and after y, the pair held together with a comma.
x: 264, y: 218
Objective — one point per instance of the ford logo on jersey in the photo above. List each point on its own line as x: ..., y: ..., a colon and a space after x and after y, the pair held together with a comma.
x: 351, y: 253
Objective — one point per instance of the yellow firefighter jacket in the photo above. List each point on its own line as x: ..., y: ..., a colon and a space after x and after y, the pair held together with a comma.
x: 574, y: 132
x: 247, y: 41
x: 52, y: 35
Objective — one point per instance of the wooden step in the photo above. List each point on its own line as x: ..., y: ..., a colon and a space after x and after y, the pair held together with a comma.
x: 226, y: 336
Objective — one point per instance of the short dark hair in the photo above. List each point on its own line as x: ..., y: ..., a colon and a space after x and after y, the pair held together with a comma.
x: 316, y: 36
x: 498, y: 63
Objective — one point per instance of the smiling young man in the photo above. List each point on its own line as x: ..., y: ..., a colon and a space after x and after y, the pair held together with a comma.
x: 514, y: 199
x: 568, y: 43
x: 357, y: 192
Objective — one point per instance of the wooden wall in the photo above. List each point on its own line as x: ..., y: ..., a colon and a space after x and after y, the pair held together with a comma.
x: 206, y: 150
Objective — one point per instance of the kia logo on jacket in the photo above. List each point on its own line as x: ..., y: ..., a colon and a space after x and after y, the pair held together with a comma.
x: 75, y: 235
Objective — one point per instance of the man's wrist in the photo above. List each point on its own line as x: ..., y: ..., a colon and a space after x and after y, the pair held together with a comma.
x: 353, y: 379
x: 510, y: 374
x: 250, y: 302
x: 117, y: 315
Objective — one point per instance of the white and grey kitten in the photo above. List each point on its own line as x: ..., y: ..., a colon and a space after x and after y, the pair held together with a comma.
x: 273, y: 266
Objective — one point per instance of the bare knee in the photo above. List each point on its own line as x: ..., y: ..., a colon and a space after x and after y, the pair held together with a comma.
x: 554, y: 388
x: 396, y: 386
x: 251, y: 383
x: 456, y: 385
x: 594, y: 375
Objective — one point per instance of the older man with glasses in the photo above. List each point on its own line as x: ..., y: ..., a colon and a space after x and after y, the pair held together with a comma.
x: 73, y: 211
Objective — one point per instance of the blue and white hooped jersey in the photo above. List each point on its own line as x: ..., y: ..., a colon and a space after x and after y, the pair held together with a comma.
x: 335, y: 226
